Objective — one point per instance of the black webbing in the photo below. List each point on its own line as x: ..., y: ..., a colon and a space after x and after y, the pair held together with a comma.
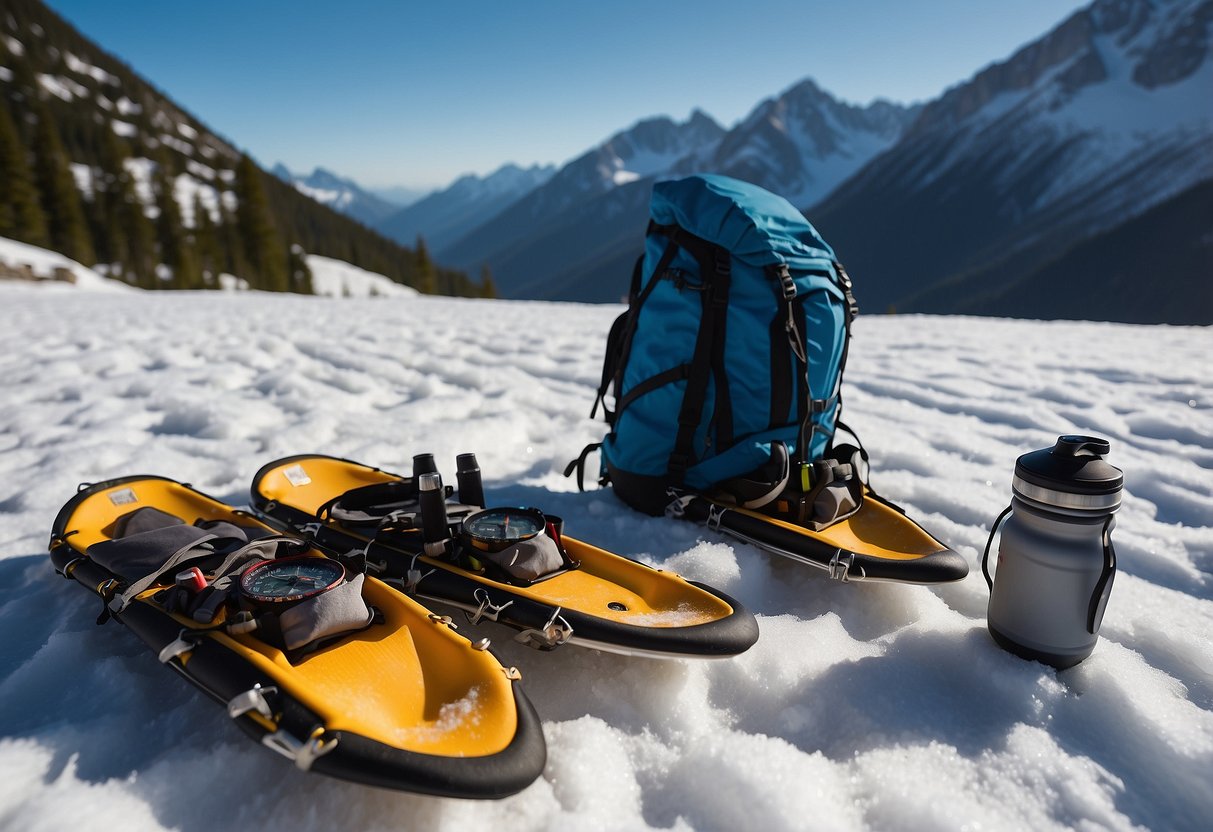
x: 610, y: 364
x: 804, y: 409
x: 716, y: 274
x: 679, y: 373
x: 578, y: 464
x: 367, y: 498
x: 723, y: 416
x: 634, y: 286
x: 636, y: 302
x: 781, y: 369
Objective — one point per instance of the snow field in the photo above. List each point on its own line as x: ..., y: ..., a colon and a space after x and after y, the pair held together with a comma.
x: 878, y: 705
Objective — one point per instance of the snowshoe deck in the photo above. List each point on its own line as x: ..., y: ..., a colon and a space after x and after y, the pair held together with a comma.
x: 607, y: 602
x: 403, y: 703
x: 877, y: 543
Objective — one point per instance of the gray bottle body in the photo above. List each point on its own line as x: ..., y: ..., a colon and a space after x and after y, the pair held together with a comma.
x: 1056, y: 562
x: 1049, y: 568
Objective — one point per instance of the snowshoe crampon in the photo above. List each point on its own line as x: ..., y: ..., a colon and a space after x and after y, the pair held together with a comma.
x: 512, y: 566
x: 310, y: 656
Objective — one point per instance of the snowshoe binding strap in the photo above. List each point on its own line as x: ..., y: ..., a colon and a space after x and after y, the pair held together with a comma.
x: 372, y: 504
x: 823, y: 492
x: 760, y: 486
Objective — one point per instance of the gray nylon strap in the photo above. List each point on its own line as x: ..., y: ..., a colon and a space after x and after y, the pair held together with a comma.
x: 257, y: 549
x: 264, y: 548
x: 190, y: 551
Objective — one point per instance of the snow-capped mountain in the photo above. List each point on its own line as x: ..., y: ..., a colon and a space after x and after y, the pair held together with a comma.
x: 339, y: 193
x: 649, y: 148
x: 575, y: 238
x: 946, y: 206
x: 470, y: 200
x: 1103, y: 118
x: 804, y: 142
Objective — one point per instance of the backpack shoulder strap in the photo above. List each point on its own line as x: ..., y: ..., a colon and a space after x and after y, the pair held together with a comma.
x: 716, y: 268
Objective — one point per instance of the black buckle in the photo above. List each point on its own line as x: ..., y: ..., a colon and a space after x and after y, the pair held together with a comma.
x: 786, y: 283
x: 678, y: 277
x: 787, y: 286
x: 845, y: 280
x: 722, y: 263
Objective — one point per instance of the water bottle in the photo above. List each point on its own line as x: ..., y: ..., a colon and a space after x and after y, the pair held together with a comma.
x: 1055, y: 558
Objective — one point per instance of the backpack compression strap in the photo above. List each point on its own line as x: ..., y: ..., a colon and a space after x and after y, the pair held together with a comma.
x: 707, y: 360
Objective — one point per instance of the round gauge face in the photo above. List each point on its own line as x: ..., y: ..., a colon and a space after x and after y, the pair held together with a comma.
x: 503, y: 526
x: 290, y: 579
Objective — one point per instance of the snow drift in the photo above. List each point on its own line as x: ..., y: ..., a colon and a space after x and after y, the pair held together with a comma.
x: 877, y: 705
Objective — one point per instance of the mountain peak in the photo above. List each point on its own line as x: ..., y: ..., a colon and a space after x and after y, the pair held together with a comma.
x: 1153, y: 43
x: 804, y: 142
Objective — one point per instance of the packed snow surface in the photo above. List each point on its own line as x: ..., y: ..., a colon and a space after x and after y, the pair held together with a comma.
x: 861, y: 706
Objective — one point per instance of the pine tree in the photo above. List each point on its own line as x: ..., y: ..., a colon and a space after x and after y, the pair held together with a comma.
x: 113, y: 247
x: 427, y: 274
x: 301, y: 275
x: 142, y: 235
x: 176, y: 250
x: 206, y: 244
x: 60, y: 199
x: 127, y: 237
x: 488, y: 286
x: 229, y: 240
x: 21, y: 216
x: 263, y: 248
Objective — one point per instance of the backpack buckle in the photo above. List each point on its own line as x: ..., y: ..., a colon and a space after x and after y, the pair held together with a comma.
x: 680, y: 281
x: 845, y: 280
x: 721, y: 262
x: 786, y: 283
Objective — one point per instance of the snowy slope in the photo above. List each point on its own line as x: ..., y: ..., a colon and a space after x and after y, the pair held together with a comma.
x: 43, y: 263
x: 336, y: 279
x: 330, y: 277
x: 862, y: 706
x: 1095, y: 123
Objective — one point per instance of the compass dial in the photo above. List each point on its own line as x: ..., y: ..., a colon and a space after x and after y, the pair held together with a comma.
x: 500, y: 527
x: 290, y: 579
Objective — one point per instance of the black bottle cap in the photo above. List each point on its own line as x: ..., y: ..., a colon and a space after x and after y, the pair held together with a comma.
x: 1074, y: 465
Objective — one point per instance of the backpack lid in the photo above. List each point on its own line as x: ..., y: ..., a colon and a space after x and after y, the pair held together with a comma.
x: 754, y: 224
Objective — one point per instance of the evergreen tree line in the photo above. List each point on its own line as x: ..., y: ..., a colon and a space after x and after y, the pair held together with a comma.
x: 262, y: 239
x: 112, y: 228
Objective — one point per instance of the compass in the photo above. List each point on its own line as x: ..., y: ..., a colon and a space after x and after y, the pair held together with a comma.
x: 499, y: 528
x: 289, y: 580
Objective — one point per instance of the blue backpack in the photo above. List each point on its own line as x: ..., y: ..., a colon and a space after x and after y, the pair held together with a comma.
x: 727, y: 365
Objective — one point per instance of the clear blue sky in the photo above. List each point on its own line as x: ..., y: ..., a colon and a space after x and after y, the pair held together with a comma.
x: 409, y: 93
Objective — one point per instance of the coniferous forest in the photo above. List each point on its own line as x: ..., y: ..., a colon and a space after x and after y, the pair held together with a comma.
x: 97, y: 164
